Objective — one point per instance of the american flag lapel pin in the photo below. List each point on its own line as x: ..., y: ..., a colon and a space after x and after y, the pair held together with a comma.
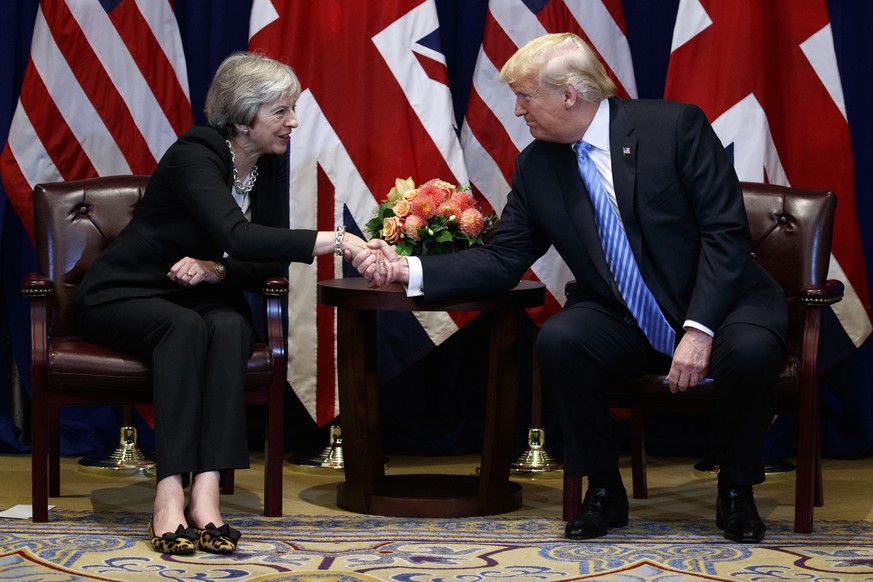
x: 625, y: 150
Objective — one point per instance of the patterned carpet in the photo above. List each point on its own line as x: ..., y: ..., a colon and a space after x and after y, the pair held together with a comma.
x: 113, y: 546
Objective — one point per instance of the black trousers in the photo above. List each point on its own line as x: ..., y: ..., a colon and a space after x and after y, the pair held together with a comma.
x: 198, y: 342
x: 582, y: 348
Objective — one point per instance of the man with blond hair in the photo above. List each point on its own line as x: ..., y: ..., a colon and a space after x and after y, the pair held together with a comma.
x: 642, y: 202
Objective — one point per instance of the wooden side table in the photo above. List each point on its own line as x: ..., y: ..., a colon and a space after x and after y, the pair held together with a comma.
x: 366, y: 488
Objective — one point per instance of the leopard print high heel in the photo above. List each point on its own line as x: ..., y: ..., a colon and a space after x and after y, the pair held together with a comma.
x: 183, y: 541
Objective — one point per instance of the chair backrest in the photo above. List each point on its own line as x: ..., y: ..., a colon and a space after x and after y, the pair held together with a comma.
x: 791, y: 238
x: 73, y: 222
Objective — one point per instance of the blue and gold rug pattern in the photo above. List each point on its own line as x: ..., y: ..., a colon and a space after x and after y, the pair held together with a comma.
x: 114, y: 546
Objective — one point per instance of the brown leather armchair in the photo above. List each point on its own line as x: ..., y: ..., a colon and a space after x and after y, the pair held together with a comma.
x: 74, y: 222
x: 791, y: 237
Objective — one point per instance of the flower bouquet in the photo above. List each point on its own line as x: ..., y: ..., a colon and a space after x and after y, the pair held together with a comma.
x: 432, y: 219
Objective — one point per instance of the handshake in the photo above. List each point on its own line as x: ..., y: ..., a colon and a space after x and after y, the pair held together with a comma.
x: 380, y: 264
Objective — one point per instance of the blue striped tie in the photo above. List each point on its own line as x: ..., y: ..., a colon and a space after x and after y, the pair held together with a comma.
x: 636, y: 294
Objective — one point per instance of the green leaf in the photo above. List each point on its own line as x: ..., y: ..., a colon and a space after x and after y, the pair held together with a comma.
x: 444, y: 236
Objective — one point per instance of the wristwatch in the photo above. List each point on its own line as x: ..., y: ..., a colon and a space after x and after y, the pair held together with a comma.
x: 220, y: 270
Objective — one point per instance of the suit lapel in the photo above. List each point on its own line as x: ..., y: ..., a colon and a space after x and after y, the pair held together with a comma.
x: 623, y: 152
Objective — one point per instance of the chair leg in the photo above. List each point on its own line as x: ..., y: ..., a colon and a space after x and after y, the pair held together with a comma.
x: 273, y: 460
x: 54, y: 451
x: 818, y: 495
x: 572, y: 497
x: 638, y: 456
x: 803, y: 495
x: 806, y: 473
x: 39, y: 463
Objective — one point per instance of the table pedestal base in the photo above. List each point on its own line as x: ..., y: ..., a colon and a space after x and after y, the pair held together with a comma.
x: 424, y: 495
x: 367, y: 489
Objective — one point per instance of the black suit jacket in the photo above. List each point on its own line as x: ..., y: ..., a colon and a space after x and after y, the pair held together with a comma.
x: 682, y: 208
x: 188, y: 210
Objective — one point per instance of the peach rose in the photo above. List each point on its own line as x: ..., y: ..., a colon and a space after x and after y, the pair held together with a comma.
x: 471, y: 222
x: 410, y: 194
x: 402, y: 208
x: 391, y: 229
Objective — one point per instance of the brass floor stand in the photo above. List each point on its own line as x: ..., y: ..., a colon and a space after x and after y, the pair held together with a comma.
x: 331, y: 457
x: 535, y: 459
x: 127, y: 458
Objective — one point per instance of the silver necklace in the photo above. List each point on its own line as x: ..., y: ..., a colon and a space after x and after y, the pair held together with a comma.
x: 250, y: 181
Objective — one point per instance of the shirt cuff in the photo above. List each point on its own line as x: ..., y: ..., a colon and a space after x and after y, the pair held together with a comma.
x: 689, y: 323
x: 415, y: 288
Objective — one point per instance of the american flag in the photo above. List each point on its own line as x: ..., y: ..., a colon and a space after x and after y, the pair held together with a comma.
x: 766, y: 75
x: 492, y: 136
x: 105, y: 92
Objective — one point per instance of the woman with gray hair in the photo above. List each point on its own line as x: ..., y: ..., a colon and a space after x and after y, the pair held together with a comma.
x: 212, y: 223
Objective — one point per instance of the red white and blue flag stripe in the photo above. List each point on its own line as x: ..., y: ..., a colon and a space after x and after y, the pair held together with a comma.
x: 105, y: 92
x: 491, y: 135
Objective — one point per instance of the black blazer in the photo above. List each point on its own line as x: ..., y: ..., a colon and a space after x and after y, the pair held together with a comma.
x: 188, y: 210
x: 682, y: 208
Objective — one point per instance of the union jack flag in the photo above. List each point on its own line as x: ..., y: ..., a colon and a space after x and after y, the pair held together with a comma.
x: 375, y: 107
x: 766, y: 75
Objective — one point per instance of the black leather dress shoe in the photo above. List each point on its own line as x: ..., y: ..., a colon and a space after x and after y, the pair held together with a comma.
x: 736, y: 514
x: 601, y: 509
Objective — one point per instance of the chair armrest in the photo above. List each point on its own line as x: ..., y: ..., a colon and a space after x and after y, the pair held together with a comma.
x: 826, y: 293
x: 275, y: 287
x: 36, y: 286
x: 40, y: 290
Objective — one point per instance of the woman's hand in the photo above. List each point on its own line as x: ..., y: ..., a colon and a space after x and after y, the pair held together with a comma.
x: 355, y: 249
x: 352, y: 245
x: 189, y: 272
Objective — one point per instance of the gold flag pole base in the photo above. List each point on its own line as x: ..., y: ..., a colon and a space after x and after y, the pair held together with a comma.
x: 535, y: 459
x: 331, y: 457
x: 126, y: 459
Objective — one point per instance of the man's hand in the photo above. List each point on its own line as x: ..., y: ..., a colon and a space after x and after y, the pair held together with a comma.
x: 380, y: 264
x: 690, y: 361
